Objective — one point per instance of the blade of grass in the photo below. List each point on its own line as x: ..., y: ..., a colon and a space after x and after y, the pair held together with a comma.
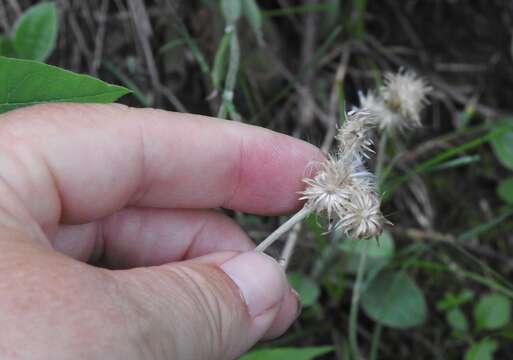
x: 125, y: 80
x: 481, y: 228
x: 297, y: 9
x: 429, y: 164
x: 287, y: 89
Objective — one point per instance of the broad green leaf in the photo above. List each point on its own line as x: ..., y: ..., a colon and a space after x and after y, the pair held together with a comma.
x: 493, y: 311
x: 35, y: 32
x: 501, y: 144
x: 27, y: 82
x: 254, y: 15
x: 378, y: 252
x: 231, y: 10
x: 482, y: 350
x: 457, y: 319
x: 307, y: 353
x: 306, y: 288
x: 393, y: 299
x: 505, y: 190
x: 6, y: 48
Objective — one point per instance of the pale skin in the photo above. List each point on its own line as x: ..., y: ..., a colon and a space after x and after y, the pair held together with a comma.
x: 133, y: 190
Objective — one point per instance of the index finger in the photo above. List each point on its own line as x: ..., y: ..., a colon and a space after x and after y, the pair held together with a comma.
x: 96, y: 159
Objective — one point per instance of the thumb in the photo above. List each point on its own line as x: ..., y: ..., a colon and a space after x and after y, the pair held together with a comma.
x: 215, y: 307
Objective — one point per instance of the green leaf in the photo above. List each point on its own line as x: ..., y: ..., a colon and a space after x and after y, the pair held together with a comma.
x: 254, y: 15
x: 505, y: 190
x: 307, y: 353
x: 452, y: 300
x: 501, y: 144
x: 231, y: 10
x: 457, y: 319
x: 393, y: 299
x: 35, y: 32
x: 378, y: 252
x: 482, y: 350
x: 307, y: 289
x: 27, y: 82
x: 493, y: 311
x: 6, y: 48
x: 220, y: 59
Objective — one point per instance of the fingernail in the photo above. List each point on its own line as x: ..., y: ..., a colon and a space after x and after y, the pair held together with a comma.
x: 260, y: 279
x: 299, y: 302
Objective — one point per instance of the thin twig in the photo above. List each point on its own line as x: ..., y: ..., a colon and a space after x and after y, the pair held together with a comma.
x: 353, y: 314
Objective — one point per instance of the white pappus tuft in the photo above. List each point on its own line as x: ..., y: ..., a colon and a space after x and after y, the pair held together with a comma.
x: 399, y: 101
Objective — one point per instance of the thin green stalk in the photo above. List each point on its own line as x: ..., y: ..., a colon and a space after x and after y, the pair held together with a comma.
x: 231, y: 77
x: 355, y: 300
x: 376, y: 339
x: 303, y: 71
x: 297, y: 9
x: 441, y: 157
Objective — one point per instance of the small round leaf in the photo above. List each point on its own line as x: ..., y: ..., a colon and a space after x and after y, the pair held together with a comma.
x: 505, y: 191
x: 457, y: 319
x: 306, y: 288
x: 493, y: 311
x: 393, y: 299
x: 482, y: 350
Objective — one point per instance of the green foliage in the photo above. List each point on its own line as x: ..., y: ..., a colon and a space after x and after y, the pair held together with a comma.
x: 307, y: 289
x: 231, y: 10
x: 252, y: 12
x: 482, y: 350
x: 394, y: 299
x: 35, y: 32
x: 454, y: 300
x: 379, y: 252
x: 492, y: 312
x: 505, y: 191
x: 27, y: 82
x: 6, y: 48
x: 456, y: 319
x: 307, y: 353
x: 501, y: 144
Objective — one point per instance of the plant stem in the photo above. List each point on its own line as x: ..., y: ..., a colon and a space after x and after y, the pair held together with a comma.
x: 376, y: 338
x: 286, y: 226
x: 353, y: 314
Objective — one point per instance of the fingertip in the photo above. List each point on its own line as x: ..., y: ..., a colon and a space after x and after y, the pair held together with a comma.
x: 290, y: 310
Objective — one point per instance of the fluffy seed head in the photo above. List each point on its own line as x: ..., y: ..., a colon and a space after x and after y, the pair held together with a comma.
x: 363, y: 218
x: 406, y: 94
x: 374, y: 104
x: 343, y: 188
x: 354, y: 135
x: 399, y: 101
x: 329, y: 189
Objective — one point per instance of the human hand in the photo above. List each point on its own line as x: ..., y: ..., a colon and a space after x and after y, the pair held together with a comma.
x: 128, y: 189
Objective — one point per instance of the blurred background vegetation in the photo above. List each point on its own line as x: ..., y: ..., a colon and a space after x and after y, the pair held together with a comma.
x: 438, y: 283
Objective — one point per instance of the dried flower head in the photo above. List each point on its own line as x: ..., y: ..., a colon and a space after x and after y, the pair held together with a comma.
x: 362, y: 218
x: 388, y: 119
x: 343, y: 188
x: 399, y: 101
x: 406, y: 94
x: 329, y: 189
x: 354, y: 135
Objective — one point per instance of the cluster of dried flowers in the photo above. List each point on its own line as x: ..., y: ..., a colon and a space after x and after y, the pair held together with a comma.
x: 343, y: 189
